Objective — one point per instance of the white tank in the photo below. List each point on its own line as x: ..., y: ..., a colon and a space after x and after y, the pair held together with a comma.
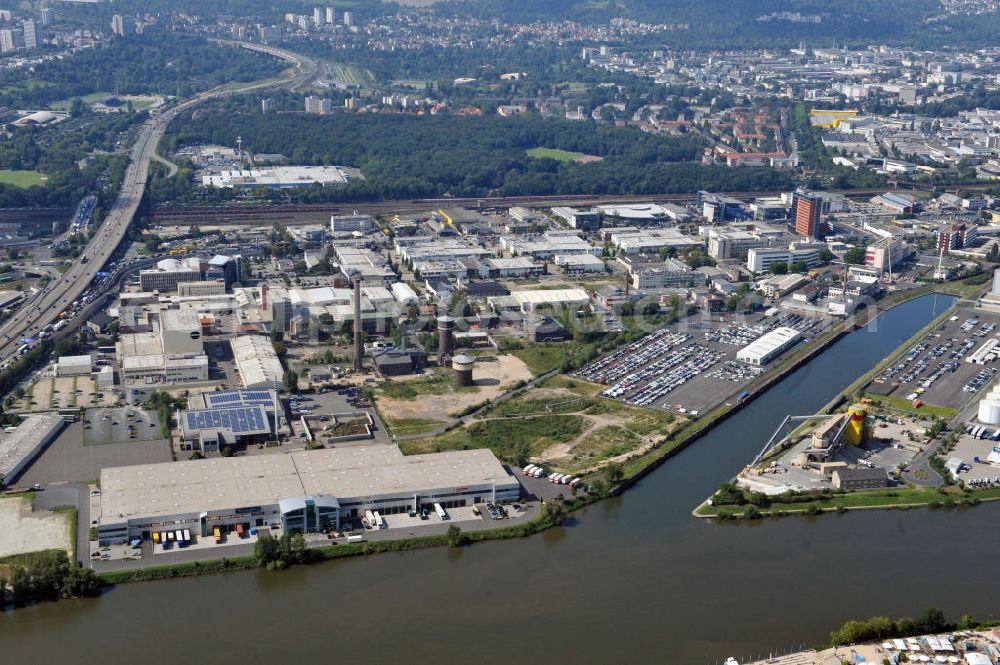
x: 989, y: 411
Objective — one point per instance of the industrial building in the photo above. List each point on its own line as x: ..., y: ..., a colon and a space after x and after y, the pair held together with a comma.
x: 671, y: 273
x: 308, y: 491
x: 769, y: 346
x: 21, y: 447
x: 513, y: 268
x: 354, y: 223
x: 577, y: 264
x: 585, y: 220
x: 174, y: 352
x: 760, y: 260
x: 719, y: 208
x: 863, y: 478
x: 529, y: 301
x: 634, y: 241
x: 256, y: 361
x: 230, y: 417
x: 168, y: 273
x: 75, y: 365
x: 216, y: 287
x: 281, y: 177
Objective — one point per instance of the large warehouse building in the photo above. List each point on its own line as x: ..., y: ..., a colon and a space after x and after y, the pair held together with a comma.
x: 256, y: 361
x: 769, y: 346
x: 308, y: 490
x: 23, y: 446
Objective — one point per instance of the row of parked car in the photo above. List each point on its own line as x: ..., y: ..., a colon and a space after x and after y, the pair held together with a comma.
x: 634, y: 356
x: 536, y: 471
x: 976, y: 383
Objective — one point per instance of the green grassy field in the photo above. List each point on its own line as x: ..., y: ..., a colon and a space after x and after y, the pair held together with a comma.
x: 905, y: 406
x: 553, y: 153
x: 21, y: 178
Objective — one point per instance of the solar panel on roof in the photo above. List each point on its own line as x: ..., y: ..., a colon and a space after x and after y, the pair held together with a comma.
x: 239, y: 420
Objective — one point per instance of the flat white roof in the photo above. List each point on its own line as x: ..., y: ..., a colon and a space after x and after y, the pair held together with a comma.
x: 769, y: 342
x: 23, y: 441
x: 550, y: 296
x: 75, y: 361
x: 189, y: 487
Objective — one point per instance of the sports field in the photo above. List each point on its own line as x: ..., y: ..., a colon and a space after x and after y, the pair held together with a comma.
x: 22, y: 178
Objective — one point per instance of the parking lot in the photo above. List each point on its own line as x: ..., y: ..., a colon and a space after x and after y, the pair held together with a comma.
x: 119, y: 425
x: 937, y: 369
x: 691, y: 366
x: 975, y: 453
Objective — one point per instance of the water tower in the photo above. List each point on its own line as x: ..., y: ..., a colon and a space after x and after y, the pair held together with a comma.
x: 462, y: 364
x: 446, y: 340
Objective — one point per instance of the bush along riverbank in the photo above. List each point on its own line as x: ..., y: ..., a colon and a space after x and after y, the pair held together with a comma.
x: 876, y: 629
x: 277, y: 553
x: 732, y: 503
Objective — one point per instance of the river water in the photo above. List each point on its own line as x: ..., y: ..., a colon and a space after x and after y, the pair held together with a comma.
x: 631, y: 580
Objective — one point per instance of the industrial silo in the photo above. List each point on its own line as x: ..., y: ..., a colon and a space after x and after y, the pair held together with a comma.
x: 855, y: 432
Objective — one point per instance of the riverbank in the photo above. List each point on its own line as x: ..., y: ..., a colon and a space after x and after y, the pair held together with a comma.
x: 754, y: 505
x: 805, y: 503
x: 638, y: 468
x: 549, y: 517
x: 634, y: 470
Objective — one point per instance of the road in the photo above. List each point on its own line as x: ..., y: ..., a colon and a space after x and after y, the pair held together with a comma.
x: 44, y: 306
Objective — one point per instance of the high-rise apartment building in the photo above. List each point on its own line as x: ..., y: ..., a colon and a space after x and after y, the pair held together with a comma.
x: 31, y: 36
x: 807, y: 209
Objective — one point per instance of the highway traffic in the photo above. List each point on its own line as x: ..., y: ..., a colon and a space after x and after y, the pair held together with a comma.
x: 43, y: 308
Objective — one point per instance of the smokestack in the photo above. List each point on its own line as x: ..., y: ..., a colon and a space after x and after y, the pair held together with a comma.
x: 263, y: 297
x: 445, y: 326
x: 359, y: 351
x: 628, y: 282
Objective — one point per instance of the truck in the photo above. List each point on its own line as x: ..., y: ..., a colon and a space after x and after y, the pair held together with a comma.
x: 355, y: 539
x: 527, y: 470
x: 379, y: 521
x: 187, y: 536
x: 21, y: 350
x: 217, y: 532
x: 59, y: 326
x: 239, y: 530
x: 83, y: 258
x: 441, y: 513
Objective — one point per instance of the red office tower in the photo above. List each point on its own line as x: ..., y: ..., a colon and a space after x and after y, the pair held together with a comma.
x: 807, y: 215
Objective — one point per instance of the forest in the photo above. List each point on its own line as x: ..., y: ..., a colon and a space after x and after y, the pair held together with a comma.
x: 154, y: 63
x: 405, y: 156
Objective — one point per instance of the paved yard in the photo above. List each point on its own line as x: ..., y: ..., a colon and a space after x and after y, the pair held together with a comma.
x: 24, y: 531
x: 67, y: 459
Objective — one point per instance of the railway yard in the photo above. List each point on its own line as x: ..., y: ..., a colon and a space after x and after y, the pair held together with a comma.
x: 691, y: 366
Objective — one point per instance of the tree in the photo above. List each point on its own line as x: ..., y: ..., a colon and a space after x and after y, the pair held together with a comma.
x: 855, y: 255
x: 290, y: 381
x: 779, y: 268
x: 455, y: 536
x: 554, y: 512
x: 266, y: 550
x: 614, y: 472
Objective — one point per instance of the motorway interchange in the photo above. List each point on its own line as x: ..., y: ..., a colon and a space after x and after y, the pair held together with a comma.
x: 43, y: 308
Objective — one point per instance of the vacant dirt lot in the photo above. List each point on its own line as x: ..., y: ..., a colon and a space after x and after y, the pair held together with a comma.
x: 492, y: 378
x: 24, y: 531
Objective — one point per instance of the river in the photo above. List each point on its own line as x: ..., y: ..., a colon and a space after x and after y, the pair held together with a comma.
x: 630, y: 580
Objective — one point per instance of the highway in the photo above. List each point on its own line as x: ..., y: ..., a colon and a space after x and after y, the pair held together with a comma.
x: 44, y: 306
